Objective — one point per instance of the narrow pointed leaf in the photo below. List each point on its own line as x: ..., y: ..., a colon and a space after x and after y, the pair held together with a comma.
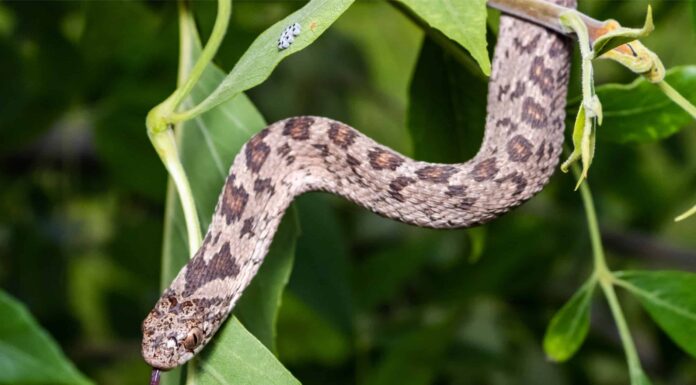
x: 568, y: 328
x: 235, y: 358
x: 263, y: 55
x: 207, y: 146
x: 28, y: 355
x: 461, y: 21
x: 670, y: 299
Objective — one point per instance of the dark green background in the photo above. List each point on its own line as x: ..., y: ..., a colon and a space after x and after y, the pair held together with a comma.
x: 370, y: 301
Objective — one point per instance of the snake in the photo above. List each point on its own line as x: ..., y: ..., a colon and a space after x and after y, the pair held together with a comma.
x: 521, y: 146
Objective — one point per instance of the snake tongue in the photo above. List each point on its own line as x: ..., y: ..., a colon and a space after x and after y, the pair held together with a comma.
x: 155, y: 377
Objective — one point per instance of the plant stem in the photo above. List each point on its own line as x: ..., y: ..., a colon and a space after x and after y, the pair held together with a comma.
x: 686, y: 214
x: 546, y: 14
x: 634, y: 367
x: 219, y: 29
x: 677, y: 98
x: 606, y: 281
x: 593, y: 228
x: 165, y: 145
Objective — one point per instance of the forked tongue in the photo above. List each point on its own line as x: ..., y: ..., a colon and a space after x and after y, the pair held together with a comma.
x: 155, y: 377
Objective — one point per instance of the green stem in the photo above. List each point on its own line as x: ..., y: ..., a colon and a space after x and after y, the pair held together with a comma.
x: 677, y: 98
x: 606, y: 281
x: 686, y: 214
x: 634, y: 368
x: 600, y: 263
x: 165, y: 145
x: 547, y: 14
x: 221, y: 22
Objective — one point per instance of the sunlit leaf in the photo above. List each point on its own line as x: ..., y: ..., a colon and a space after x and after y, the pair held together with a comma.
x: 640, y: 112
x: 207, y: 146
x: 28, y: 355
x: 235, y: 357
x: 263, y: 55
x: 568, y: 328
x: 670, y: 299
x: 462, y: 21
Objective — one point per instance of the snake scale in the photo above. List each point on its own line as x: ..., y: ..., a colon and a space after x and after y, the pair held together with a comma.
x: 521, y: 147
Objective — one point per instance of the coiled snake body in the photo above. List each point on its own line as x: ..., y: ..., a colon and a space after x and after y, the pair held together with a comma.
x: 520, y: 150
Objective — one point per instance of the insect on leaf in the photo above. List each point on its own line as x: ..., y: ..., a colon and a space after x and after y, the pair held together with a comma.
x: 263, y: 55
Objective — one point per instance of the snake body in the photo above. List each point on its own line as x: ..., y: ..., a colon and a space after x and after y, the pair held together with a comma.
x: 521, y: 147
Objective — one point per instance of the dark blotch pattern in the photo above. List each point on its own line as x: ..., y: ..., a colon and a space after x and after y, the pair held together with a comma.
x: 399, y: 184
x: 519, y: 149
x: 526, y: 48
x: 381, y: 159
x: 247, y: 228
x: 533, y: 113
x: 257, y: 152
x: 436, y: 174
x: 263, y: 185
x: 516, y: 178
x: 222, y: 265
x: 503, y: 89
x: 352, y: 161
x: 234, y: 200
x: 323, y: 149
x: 540, y: 151
x: 558, y: 47
x: 341, y: 135
x: 518, y: 92
x: 485, y: 170
x: 542, y: 76
x: 284, y: 150
x: 298, y: 128
x: 507, y: 122
x: 455, y: 190
x: 466, y: 203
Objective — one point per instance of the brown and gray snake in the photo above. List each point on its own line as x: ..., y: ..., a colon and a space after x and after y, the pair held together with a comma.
x: 521, y: 147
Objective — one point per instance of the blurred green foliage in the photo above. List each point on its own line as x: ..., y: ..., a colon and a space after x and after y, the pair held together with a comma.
x: 370, y: 301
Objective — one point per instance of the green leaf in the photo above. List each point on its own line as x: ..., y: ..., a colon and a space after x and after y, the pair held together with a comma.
x: 462, y: 21
x: 447, y: 107
x: 207, y: 146
x: 263, y: 55
x: 622, y: 35
x: 640, y: 112
x: 670, y: 299
x: 28, y: 355
x: 320, y: 277
x: 568, y: 328
x: 236, y: 357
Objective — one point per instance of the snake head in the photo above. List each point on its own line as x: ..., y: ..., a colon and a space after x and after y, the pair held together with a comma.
x: 177, y: 329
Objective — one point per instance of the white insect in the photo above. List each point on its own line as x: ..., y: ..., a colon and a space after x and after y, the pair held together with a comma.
x: 288, y: 36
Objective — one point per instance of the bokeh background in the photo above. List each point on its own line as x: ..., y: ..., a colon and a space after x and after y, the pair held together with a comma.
x: 82, y: 197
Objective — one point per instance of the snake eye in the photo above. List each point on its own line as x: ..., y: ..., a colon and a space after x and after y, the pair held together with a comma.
x: 193, y: 339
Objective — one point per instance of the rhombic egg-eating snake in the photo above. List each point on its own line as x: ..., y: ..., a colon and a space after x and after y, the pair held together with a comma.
x: 521, y: 147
